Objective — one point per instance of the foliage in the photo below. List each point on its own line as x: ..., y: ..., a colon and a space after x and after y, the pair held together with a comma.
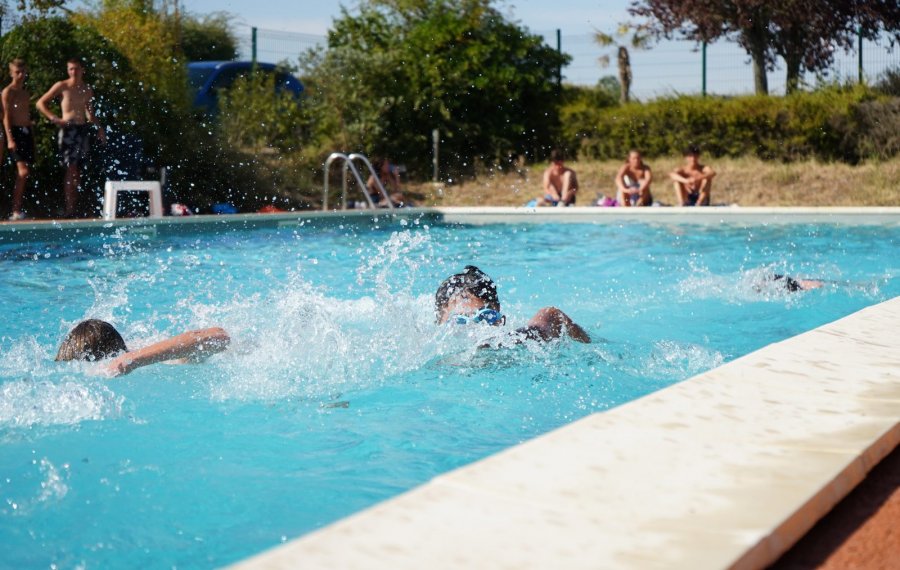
x: 252, y: 114
x: 396, y: 69
x: 45, y: 45
x: 639, y: 39
x: 129, y: 107
x: 581, y: 107
x: 830, y: 124
x: 30, y: 9
x: 148, y: 40
x: 805, y: 33
x: 208, y: 38
x: 889, y: 82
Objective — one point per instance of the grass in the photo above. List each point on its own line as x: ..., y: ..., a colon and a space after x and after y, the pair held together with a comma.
x: 741, y: 181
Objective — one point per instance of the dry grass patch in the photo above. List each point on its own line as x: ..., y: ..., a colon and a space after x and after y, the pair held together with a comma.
x: 742, y: 181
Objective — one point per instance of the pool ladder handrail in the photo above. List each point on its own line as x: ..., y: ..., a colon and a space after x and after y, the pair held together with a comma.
x: 350, y: 167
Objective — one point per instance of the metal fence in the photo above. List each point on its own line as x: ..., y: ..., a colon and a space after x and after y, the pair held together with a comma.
x: 667, y: 68
x: 272, y: 46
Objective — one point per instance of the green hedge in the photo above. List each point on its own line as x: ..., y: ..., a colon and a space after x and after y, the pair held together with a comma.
x: 845, y: 124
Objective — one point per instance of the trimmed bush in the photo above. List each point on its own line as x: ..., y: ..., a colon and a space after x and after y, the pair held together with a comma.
x: 846, y: 124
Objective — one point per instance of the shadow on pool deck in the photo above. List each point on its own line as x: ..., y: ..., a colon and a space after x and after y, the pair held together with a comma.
x: 860, y: 532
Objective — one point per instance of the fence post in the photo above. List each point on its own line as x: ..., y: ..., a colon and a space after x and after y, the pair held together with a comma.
x: 559, y: 51
x: 253, y: 45
x: 860, y: 63
x: 435, y: 139
x: 703, y: 86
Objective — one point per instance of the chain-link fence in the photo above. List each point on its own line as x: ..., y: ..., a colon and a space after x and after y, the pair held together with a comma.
x: 676, y: 67
x: 272, y: 46
x: 668, y: 68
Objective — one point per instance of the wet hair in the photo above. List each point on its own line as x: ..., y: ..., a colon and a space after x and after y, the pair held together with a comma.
x: 691, y: 150
x: 77, y: 60
x: 473, y: 281
x: 92, y: 339
x: 17, y: 62
x: 556, y: 155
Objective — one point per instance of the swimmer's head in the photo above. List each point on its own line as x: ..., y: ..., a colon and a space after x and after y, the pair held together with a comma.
x: 465, y: 292
x: 91, y: 340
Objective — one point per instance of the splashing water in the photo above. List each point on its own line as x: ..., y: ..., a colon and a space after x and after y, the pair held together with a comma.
x: 339, y: 389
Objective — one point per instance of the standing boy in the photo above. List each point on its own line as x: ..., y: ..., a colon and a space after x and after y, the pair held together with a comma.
x: 18, y: 128
x: 77, y: 114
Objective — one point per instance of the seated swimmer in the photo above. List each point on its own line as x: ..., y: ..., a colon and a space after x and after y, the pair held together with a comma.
x: 94, y: 339
x: 471, y: 297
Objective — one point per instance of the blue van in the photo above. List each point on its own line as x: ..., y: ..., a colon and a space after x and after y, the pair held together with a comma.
x: 208, y: 77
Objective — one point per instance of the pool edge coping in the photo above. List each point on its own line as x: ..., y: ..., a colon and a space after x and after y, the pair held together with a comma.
x: 481, y: 215
x: 845, y: 469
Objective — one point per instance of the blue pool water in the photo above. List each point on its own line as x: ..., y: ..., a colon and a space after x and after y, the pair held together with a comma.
x: 338, y: 390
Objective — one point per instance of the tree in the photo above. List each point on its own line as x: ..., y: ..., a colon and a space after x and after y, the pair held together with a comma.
x: 639, y: 40
x: 208, y: 38
x: 396, y: 69
x: 148, y: 39
x: 805, y: 33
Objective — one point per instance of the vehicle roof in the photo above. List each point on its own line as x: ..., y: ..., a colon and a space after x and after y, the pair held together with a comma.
x: 224, y: 64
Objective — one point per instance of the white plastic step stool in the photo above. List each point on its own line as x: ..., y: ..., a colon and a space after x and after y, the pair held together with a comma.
x: 113, y: 187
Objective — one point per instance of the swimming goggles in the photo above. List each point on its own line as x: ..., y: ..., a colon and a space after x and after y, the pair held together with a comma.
x: 489, y: 316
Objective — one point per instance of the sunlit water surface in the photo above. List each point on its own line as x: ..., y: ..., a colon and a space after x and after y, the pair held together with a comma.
x: 339, y: 390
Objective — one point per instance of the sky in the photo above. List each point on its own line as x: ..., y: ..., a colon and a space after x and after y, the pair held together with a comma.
x: 579, y: 16
x: 670, y: 69
x: 667, y: 68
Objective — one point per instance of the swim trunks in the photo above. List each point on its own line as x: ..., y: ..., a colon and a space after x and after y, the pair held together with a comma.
x: 692, y: 198
x: 24, y: 139
x: 74, y: 141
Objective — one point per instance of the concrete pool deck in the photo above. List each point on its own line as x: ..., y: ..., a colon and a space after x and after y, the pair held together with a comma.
x: 725, y: 470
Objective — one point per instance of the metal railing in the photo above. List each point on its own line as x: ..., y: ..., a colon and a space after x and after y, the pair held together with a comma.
x: 350, y: 168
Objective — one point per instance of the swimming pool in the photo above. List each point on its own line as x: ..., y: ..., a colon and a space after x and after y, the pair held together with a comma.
x: 339, y: 391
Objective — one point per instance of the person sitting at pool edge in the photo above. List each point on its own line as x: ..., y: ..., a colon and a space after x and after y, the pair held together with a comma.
x: 633, y: 182
x: 390, y: 181
x: 560, y: 182
x: 471, y: 297
x: 693, y: 181
x: 94, y: 340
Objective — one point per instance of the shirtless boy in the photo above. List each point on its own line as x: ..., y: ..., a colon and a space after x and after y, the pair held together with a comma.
x: 560, y: 183
x: 74, y: 126
x: 633, y: 182
x: 18, y: 130
x: 693, y: 181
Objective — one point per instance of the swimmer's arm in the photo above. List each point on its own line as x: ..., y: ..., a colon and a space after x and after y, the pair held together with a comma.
x: 646, y: 179
x: 192, y: 346
x: 50, y: 95
x: 708, y: 173
x: 550, y: 323
x: 620, y: 179
x: 7, y: 120
x: 91, y: 117
x: 678, y: 176
x: 549, y: 187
